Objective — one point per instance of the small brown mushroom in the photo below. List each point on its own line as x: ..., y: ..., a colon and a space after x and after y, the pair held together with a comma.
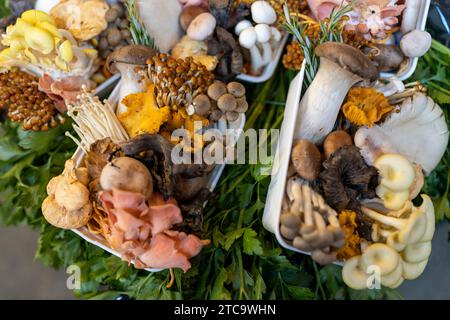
x: 227, y: 102
x: 306, y: 159
x: 335, y: 141
x: 242, y: 105
x: 202, y: 105
x: 236, y: 89
x: 129, y: 55
x: 216, y: 114
x: 232, y: 115
x: 216, y: 90
x: 189, y: 14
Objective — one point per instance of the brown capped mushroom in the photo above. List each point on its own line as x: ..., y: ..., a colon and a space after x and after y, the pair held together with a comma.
x: 236, y: 89
x: 216, y: 114
x: 189, y: 14
x: 232, y: 115
x: 242, y: 105
x: 335, y: 141
x: 306, y: 159
x: 202, y: 105
x: 216, y: 90
x: 227, y: 102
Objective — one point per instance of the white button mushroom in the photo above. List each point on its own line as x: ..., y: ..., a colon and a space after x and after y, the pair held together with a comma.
x: 416, y: 43
x: 263, y: 12
x: 263, y: 35
x: 202, y: 27
x: 247, y: 39
x: 241, y: 26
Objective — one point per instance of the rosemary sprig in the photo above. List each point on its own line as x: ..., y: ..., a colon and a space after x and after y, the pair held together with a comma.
x: 137, y: 29
x: 330, y: 30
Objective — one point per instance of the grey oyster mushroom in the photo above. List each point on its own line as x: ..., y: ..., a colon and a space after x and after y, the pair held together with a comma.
x: 309, y: 223
x: 341, y: 67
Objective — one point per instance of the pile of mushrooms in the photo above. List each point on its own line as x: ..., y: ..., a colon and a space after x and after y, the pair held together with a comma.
x: 259, y: 34
x: 402, y: 250
x: 67, y: 205
x: 309, y: 223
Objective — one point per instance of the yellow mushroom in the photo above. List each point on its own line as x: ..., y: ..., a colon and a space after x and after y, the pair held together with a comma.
x: 35, y: 16
x: 51, y: 28
x: 19, y: 29
x: 382, y: 256
x: 39, y: 40
x: 65, y: 51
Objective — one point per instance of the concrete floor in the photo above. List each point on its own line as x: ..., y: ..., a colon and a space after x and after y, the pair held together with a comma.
x: 21, y: 277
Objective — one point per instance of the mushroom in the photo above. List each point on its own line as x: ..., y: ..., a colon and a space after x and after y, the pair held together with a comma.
x: 417, y: 252
x: 263, y: 35
x: 125, y: 60
x: 409, y: 131
x: 393, y: 86
x: 411, y: 229
x: 306, y: 159
x: 324, y: 256
x: 263, y: 12
x: 201, y: 27
x: 236, y: 89
x: 392, y: 279
x: 336, y: 140
x: 216, y: 90
x: 412, y: 271
x: 202, y: 105
x: 341, y: 67
x: 276, y: 37
x: 387, y: 57
x: 410, y: 16
x: 189, y: 14
x: 382, y: 256
x: 227, y: 103
x: 242, y: 105
x: 248, y: 39
x: 353, y: 274
x: 416, y: 43
x: 241, y: 26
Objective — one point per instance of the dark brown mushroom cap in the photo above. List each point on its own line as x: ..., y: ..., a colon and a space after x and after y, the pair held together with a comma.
x: 132, y: 55
x: 202, y: 104
x: 190, y: 13
x: 348, y: 58
x: 227, y: 102
x: 306, y: 159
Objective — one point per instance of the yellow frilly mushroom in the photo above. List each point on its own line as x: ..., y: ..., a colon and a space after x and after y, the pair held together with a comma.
x: 365, y: 106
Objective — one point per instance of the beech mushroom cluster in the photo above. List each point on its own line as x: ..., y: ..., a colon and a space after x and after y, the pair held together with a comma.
x: 67, y: 205
x: 403, y: 246
x: 259, y: 37
x: 310, y: 224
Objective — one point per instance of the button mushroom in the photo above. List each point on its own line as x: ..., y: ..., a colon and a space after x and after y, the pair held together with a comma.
x: 263, y: 12
x: 341, y: 67
x: 241, y: 26
x: 189, y: 14
x: 201, y: 27
x: 125, y: 60
x: 248, y: 39
x: 306, y: 159
x: 416, y: 43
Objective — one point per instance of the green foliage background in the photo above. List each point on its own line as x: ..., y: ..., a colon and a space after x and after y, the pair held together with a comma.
x: 244, y: 260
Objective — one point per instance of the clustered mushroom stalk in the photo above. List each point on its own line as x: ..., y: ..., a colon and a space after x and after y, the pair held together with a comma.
x: 178, y: 81
x: 310, y: 223
x: 341, y: 67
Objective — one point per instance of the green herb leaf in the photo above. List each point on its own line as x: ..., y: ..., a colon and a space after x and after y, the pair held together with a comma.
x: 251, y: 243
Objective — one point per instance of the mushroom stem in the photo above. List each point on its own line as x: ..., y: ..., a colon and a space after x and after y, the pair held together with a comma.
x: 322, y: 101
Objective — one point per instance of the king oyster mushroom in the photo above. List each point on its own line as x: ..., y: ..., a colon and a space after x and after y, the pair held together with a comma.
x: 126, y: 60
x: 418, y: 131
x: 341, y: 67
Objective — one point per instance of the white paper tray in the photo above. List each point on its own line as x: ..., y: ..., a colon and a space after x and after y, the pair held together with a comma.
x: 277, y: 187
x: 214, y: 179
x: 412, y: 62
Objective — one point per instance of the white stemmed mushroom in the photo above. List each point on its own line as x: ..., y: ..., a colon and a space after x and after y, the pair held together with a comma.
x: 263, y: 35
x: 416, y: 43
x: 341, y: 67
x: 276, y: 37
x: 241, y: 26
x: 263, y: 12
x: 248, y: 39
x: 393, y: 86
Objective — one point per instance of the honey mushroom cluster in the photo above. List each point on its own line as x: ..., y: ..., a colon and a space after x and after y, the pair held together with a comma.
x: 310, y: 223
x: 21, y: 98
x: 177, y: 81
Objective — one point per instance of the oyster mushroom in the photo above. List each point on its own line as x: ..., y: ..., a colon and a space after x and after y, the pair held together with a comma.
x: 418, y: 131
x: 125, y: 60
x: 341, y: 67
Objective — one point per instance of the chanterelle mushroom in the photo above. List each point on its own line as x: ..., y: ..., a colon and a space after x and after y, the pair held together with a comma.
x: 341, y: 67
